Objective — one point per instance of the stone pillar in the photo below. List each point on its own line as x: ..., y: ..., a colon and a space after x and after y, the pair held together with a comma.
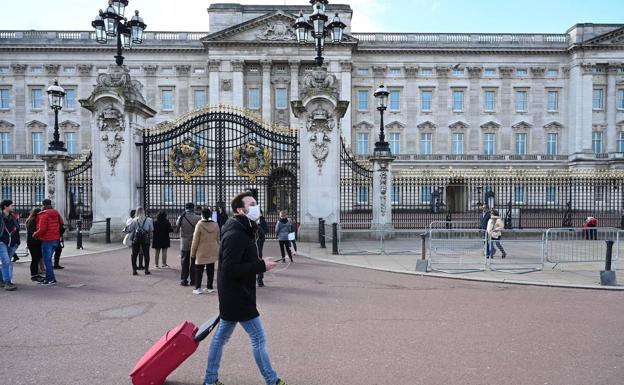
x: 611, y: 109
x: 151, y: 84
x: 318, y: 112
x: 55, y: 163
x: 580, y: 118
x: 118, y: 114
x: 20, y: 141
x: 345, y: 94
x: 382, y: 192
x: 214, y: 66
x: 238, y: 85
x: 266, y: 91
x: 294, y: 87
x: 182, y: 72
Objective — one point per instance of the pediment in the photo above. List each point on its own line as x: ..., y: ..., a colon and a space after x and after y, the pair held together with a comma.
x: 615, y: 37
x: 69, y: 125
x: 36, y: 124
x: 395, y: 125
x: 274, y: 27
x: 459, y: 125
x: 427, y: 125
x: 554, y: 125
x: 619, y: 125
x: 363, y: 125
x: 6, y: 125
x: 491, y: 125
x: 522, y: 125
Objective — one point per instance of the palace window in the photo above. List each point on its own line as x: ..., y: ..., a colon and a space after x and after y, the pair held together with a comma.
x: 521, y: 72
x: 620, y: 141
x: 395, y: 100
x: 620, y: 99
x: 362, y: 143
x: 37, y: 143
x: 36, y: 70
x: 362, y: 71
x: 281, y: 99
x: 458, y: 101
x: 426, y: 145
x: 519, y: 194
x: 395, y: 195
x: 200, y: 194
x: 597, y: 142
x: 598, y: 99
x: 521, y: 139
x: 4, y: 70
x: 490, y: 72
x: 168, y: 194
x: 167, y: 100
x: 552, y: 73
x: 425, y: 195
x: 394, y: 138
x: 599, y: 193
x: 69, y: 70
x: 551, y: 144
x: 521, y: 101
x: 362, y: 100
x: 5, y: 143
x: 70, y: 99
x: 254, y: 98
x: 362, y: 195
x: 7, y: 192
x: 489, y: 144
x: 395, y: 71
x: 490, y: 101
x: 4, y: 98
x: 551, y: 194
x: 70, y: 143
x: 553, y: 101
x: 199, y: 98
x: 425, y: 103
x: 458, y: 144
x: 426, y: 71
x: 35, y: 97
x: 39, y: 194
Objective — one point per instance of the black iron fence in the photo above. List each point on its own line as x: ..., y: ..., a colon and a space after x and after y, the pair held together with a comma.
x: 356, y: 192
x: 79, y: 189
x: 26, y: 188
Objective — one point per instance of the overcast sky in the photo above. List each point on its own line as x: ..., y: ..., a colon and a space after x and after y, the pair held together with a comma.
x: 550, y: 16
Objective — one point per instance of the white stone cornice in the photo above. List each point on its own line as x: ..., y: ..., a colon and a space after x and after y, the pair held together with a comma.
x: 491, y: 125
x: 521, y: 126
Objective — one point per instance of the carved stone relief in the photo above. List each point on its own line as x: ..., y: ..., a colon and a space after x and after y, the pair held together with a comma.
x: 319, y: 125
x: 112, y: 148
x: 85, y: 69
x: 277, y: 31
x: 383, y: 168
x: 319, y: 82
x: 52, y: 69
x: 19, y: 68
x: 111, y: 123
x: 226, y: 85
x: 183, y: 70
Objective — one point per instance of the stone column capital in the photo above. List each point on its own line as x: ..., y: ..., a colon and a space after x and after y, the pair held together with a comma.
x: 52, y: 69
x: 214, y: 65
x: 506, y: 72
x: 150, y: 69
x: 19, y: 68
x: 183, y: 70
x: 238, y: 65
x: 266, y: 65
x: 346, y: 65
x: 85, y: 69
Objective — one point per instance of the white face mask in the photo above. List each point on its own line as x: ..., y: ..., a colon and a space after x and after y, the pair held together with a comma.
x: 253, y: 213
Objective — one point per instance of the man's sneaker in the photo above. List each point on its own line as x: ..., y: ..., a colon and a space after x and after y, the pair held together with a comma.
x: 281, y: 382
x: 9, y: 286
x: 37, y: 278
x: 58, y: 267
x: 198, y: 291
x: 48, y: 283
x: 165, y: 266
x: 183, y: 283
x: 210, y: 291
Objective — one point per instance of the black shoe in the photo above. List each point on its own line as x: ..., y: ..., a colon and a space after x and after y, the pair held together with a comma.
x: 135, y: 273
x: 147, y: 272
x: 260, y: 284
x: 15, y: 258
x: 504, y: 255
x: 141, y: 267
x: 59, y: 267
x: 48, y: 283
x: 37, y: 278
x: 183, y: 283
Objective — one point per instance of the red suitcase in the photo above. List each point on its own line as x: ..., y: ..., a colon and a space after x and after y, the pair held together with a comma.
x: 169, y: 352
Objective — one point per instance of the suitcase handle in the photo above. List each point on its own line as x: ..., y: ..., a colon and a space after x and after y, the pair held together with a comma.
x: 206, y: 328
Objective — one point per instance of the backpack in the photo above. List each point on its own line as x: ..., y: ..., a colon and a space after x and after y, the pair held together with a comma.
x: 140, y: 235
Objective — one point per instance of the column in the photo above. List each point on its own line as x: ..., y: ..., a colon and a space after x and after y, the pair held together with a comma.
x: 151, y: 87
x: 382, y: 193
x: 266, y: 90
x: 86, y: 82
x: 294, y: 88
x: 345, y: 94
x: 19, y: 89
x: 54, y: 165
x: 214, y: 66
x: 238, y: 85
x: 580, y: 117
x: 182, y: 88
x: 611, y: 109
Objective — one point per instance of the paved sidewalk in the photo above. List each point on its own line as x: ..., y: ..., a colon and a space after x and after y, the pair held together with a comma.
x: 70, y: 249
x: 578, y: 275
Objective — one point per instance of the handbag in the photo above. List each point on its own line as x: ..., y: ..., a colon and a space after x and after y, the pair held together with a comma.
x: 291, y: 236
x: 126, y: 241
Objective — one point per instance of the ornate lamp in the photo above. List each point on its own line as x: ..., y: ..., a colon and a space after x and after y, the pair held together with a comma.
x: 381, y: 95
x: 56, y: 97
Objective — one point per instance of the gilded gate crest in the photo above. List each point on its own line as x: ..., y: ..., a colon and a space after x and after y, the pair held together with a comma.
x: 187, y: 160
x: 252, y: 160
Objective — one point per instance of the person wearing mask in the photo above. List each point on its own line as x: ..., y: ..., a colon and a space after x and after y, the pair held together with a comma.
x: 282, y: 228
x: 238, y: 266
x: 186, y: 224
x: 205, y: 250
x: 49, y: 222
x: 495, y: 229
x: 34, y: 245
x: 221, y: 216
x: 9, y: 241
x: 161, y: 240
x: 263, y: 229
x: 140, y: 230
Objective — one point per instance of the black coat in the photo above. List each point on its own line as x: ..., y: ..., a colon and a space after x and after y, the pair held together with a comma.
x: 161, y: 239
x: 221, y: 219
x: 263, y: 229
x: 238, y: 266
x: 484, y: 218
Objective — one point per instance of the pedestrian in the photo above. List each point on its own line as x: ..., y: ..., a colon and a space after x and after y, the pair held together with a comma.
x: 263, y: 229
x: 205, y: 250
x: 198, y: 210
x: 34, y: 245
x: 214, y: 215
x: 283, y: 227
x: 58, y: 251
x: 590, y: 225
x: 161, y: 240
x: 293, y: 236
x: 186, y: 225
x: 238, y: 266
x: 140, y: 256
x: 222, y: 216
x: 9, y: 241
x: 141, y: 229
x: 484, y: 218
x: 49, y: 222
x: 495, y: 229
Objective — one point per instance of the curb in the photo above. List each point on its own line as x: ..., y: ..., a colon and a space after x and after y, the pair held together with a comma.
x: 462, y: 278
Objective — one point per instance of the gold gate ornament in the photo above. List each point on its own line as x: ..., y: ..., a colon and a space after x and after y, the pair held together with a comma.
x: 252, y: 160
x: 186, y: 160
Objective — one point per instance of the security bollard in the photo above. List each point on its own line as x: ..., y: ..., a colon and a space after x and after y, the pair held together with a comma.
x: 322, y: 229
x: 421, y: 264
x: 335, y: 238
x: 607, y: 277
x: 108, y: 230
x: 79, y: 235
x: 319, y: 230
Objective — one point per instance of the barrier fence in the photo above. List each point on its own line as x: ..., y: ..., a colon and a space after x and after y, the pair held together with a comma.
x: 570, y: 245
x: 456, y: 250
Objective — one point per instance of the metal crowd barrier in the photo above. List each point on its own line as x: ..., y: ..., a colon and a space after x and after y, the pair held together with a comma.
x: 456, y: 250
x: 571, y: 245
x: 522, y: 255
x: 378, y: 241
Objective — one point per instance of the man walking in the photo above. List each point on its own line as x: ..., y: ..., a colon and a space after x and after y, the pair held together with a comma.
x: 484, y: 218
x: 9, y: 240
x: 238, y: 266
x: 49, y: 223
x: 186, y: 223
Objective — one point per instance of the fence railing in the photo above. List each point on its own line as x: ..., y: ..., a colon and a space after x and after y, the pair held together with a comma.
x: 570, y: 245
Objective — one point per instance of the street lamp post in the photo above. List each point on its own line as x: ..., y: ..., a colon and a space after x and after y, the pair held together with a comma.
x: 112, y: 23
x: 382, y: 147
x: 320, y: 31
x: 56, y: 96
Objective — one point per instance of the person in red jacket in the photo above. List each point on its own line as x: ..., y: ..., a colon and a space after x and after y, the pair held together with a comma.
x: 49, y: 222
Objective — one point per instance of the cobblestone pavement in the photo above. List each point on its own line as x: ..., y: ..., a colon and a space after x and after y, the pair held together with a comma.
x: 326, y: 323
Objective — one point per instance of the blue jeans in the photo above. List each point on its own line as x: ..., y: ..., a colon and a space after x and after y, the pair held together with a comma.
x: 48, y: 248
x: 6, y: 253
x: 254, y: 328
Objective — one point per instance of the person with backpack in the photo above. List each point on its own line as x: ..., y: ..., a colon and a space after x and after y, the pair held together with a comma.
x: 49, y: 224
x: 9, y: 240
x: 186, y: 224
x: 34, y: 245
x: 140, y: 230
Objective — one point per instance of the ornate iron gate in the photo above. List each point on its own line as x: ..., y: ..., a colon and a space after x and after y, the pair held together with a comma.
x: 79, y: 185
x: 211, y: 154
x: 356, y: 192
